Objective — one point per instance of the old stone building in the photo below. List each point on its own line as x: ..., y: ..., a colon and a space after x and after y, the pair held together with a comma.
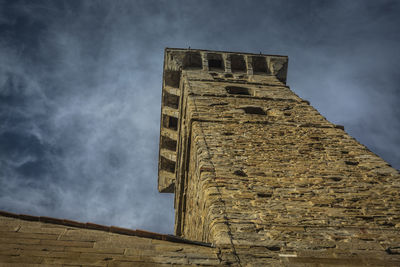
x: 260, y: 179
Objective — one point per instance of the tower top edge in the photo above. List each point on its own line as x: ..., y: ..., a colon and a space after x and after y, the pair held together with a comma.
x: 171, y: 49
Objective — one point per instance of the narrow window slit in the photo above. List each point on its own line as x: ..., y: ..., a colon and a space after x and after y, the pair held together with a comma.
x: 218, y: 104
x: 264, y: 195
x: 254, y: 110
x: 237, y: 90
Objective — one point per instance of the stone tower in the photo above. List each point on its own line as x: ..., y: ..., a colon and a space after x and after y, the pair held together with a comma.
x: 261, y: 174
x: 260, y: 179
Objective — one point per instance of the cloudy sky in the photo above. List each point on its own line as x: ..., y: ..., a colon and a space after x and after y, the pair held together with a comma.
x: 80, y: 89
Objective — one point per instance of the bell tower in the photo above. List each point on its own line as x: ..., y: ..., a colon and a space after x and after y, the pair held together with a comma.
x: 261, y: 174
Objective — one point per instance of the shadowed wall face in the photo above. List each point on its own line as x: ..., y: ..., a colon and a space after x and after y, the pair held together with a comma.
x: 258, y: 166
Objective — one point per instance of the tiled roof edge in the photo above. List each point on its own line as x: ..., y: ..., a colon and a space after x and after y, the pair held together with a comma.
x: 104, y: 228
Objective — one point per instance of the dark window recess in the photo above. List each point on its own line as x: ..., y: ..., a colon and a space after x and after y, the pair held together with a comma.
x: 218, y: 104
x: 173, y: 123
x: 228, y: 75
x: 170, y: 100
x: 215, y: 61
x: 240, y: 173
x: 274, y: 248
x: 237, y: 90
x: 254, y: 110
x: 215, y: 64
x: 168, y: 143
x: 259, y: 65
x: 170, y: 122
x: 167, y: 165
x: 354, y: 163
x: 264, y: 195
x: 192, y: 60
x: 237, y: 63
x: 172, y: 78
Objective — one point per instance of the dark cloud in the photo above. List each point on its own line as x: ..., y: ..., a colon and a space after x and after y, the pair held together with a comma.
x: 80, y: 88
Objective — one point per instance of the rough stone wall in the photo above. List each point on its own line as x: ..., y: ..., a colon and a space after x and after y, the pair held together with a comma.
x: 204, y: 65
x: 270, y: 181
x: 290, y: 204
x: 28, y: 243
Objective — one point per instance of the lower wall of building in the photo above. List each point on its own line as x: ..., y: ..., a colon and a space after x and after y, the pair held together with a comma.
x: 31, y: 243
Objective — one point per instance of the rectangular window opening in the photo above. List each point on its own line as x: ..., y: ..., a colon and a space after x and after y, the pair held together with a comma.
x: 172, y: 78
x: 237, y: 63
x: 167, y: 165
x: 168, y: 143
x: 192, y: 60
x: 259, y: 64
x: 215, y: 61
x: 170, y: 100
x: 170, y: 122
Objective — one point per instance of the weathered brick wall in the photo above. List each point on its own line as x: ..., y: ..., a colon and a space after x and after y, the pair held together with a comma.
x: 32, y: 243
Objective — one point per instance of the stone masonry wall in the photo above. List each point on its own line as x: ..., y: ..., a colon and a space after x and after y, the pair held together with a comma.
x: 273, y: 182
